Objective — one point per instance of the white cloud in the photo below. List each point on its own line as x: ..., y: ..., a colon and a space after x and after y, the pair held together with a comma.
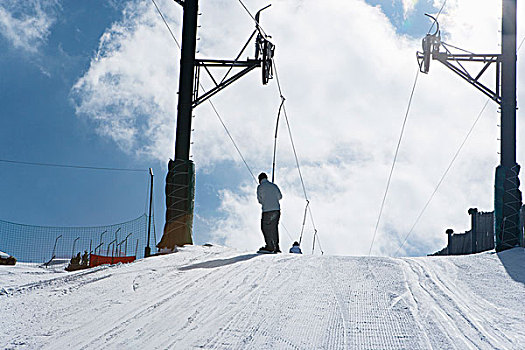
x: 26, y: 25
x: 347, y: 76
x: 408, y: 7
x: 129, y: 88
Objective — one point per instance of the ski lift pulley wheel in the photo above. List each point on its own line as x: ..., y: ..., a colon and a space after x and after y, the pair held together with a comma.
x: 267, y: 61
x: 264, y: 51
x: 430, y: 45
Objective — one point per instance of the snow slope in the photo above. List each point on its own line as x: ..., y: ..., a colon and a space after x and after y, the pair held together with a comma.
x: 219, y: 298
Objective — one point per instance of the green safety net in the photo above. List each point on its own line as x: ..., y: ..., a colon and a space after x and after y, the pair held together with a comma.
x: 180, y: 198
x: 507, y: 206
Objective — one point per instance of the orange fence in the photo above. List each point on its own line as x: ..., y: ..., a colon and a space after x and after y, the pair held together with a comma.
x: 96, y: 260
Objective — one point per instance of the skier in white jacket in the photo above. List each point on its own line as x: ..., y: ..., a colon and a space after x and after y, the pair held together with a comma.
x: 268, y: 195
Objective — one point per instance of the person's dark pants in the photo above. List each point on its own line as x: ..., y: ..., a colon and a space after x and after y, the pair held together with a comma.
x: 270, y: 230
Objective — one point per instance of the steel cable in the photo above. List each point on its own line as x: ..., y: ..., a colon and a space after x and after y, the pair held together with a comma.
x: 166, y: 23
x: 55, y: 165
x: 393, y: 162
x: 444, y: 175
x: 253, y: 18
x: 437, y: 16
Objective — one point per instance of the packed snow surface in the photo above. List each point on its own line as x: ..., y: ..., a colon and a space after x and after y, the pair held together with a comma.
x: 219, y: 298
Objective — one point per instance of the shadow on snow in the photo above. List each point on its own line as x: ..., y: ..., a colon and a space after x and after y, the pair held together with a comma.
x: 514, y: 262
x: 219, y: 262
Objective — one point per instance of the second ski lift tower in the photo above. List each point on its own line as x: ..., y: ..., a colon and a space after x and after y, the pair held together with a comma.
x: 180, y: 180
x: 507, y: 195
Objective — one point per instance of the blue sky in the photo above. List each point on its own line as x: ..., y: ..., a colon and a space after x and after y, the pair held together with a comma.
x: 41, y: 121
x: 39, y: 125
x: 411, y: 23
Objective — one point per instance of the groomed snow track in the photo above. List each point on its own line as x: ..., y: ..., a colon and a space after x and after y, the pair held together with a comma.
x: 218, y: 298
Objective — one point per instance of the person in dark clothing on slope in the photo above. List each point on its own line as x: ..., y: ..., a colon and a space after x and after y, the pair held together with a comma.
x: 85, y: 259
x: 269, y: 195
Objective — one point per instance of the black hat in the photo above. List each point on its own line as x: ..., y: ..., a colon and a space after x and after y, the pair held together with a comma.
x: 262, y: 176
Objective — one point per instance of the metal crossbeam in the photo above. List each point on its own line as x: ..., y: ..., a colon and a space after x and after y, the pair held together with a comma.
x: 463, y: 73
x: 250, y: 65
x: 447, y: 59
x: 467, y: 57
x: 225, y: 63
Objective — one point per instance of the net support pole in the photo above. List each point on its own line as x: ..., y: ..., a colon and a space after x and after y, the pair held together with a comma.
x: 508, y: 198
x: 180, y: 183
x: 147, y: 250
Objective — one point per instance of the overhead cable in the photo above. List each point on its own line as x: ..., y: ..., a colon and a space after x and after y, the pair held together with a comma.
x: 54, y: 165
x: 166, y: 23
x: 444, y: 174
x: 286, y: 230
x: 521, y: 44
x: 253, y: 18
x: 230, y: 136
x: 394, y: 162
x: 437, y: 16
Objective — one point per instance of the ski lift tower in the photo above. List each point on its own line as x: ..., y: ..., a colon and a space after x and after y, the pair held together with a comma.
x: 180, y: 180
x: 507, y: 195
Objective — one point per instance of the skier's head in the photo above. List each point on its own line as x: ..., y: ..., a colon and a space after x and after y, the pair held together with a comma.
x: 295, y: 243
x: 262, y: 176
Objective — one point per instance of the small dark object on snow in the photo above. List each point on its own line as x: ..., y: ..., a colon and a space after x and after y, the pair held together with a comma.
x: 6, y: 259
x: 74, y: 263
x: 265, y: 250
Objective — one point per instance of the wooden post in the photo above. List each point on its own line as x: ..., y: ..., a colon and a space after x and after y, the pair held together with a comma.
x: 473, y: 212
x: 449, y: 233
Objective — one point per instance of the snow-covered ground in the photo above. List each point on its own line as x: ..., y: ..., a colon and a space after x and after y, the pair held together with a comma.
x: 219, y: 298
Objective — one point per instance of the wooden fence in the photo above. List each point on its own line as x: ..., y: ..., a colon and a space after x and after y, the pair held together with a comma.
x: 479, y: 238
